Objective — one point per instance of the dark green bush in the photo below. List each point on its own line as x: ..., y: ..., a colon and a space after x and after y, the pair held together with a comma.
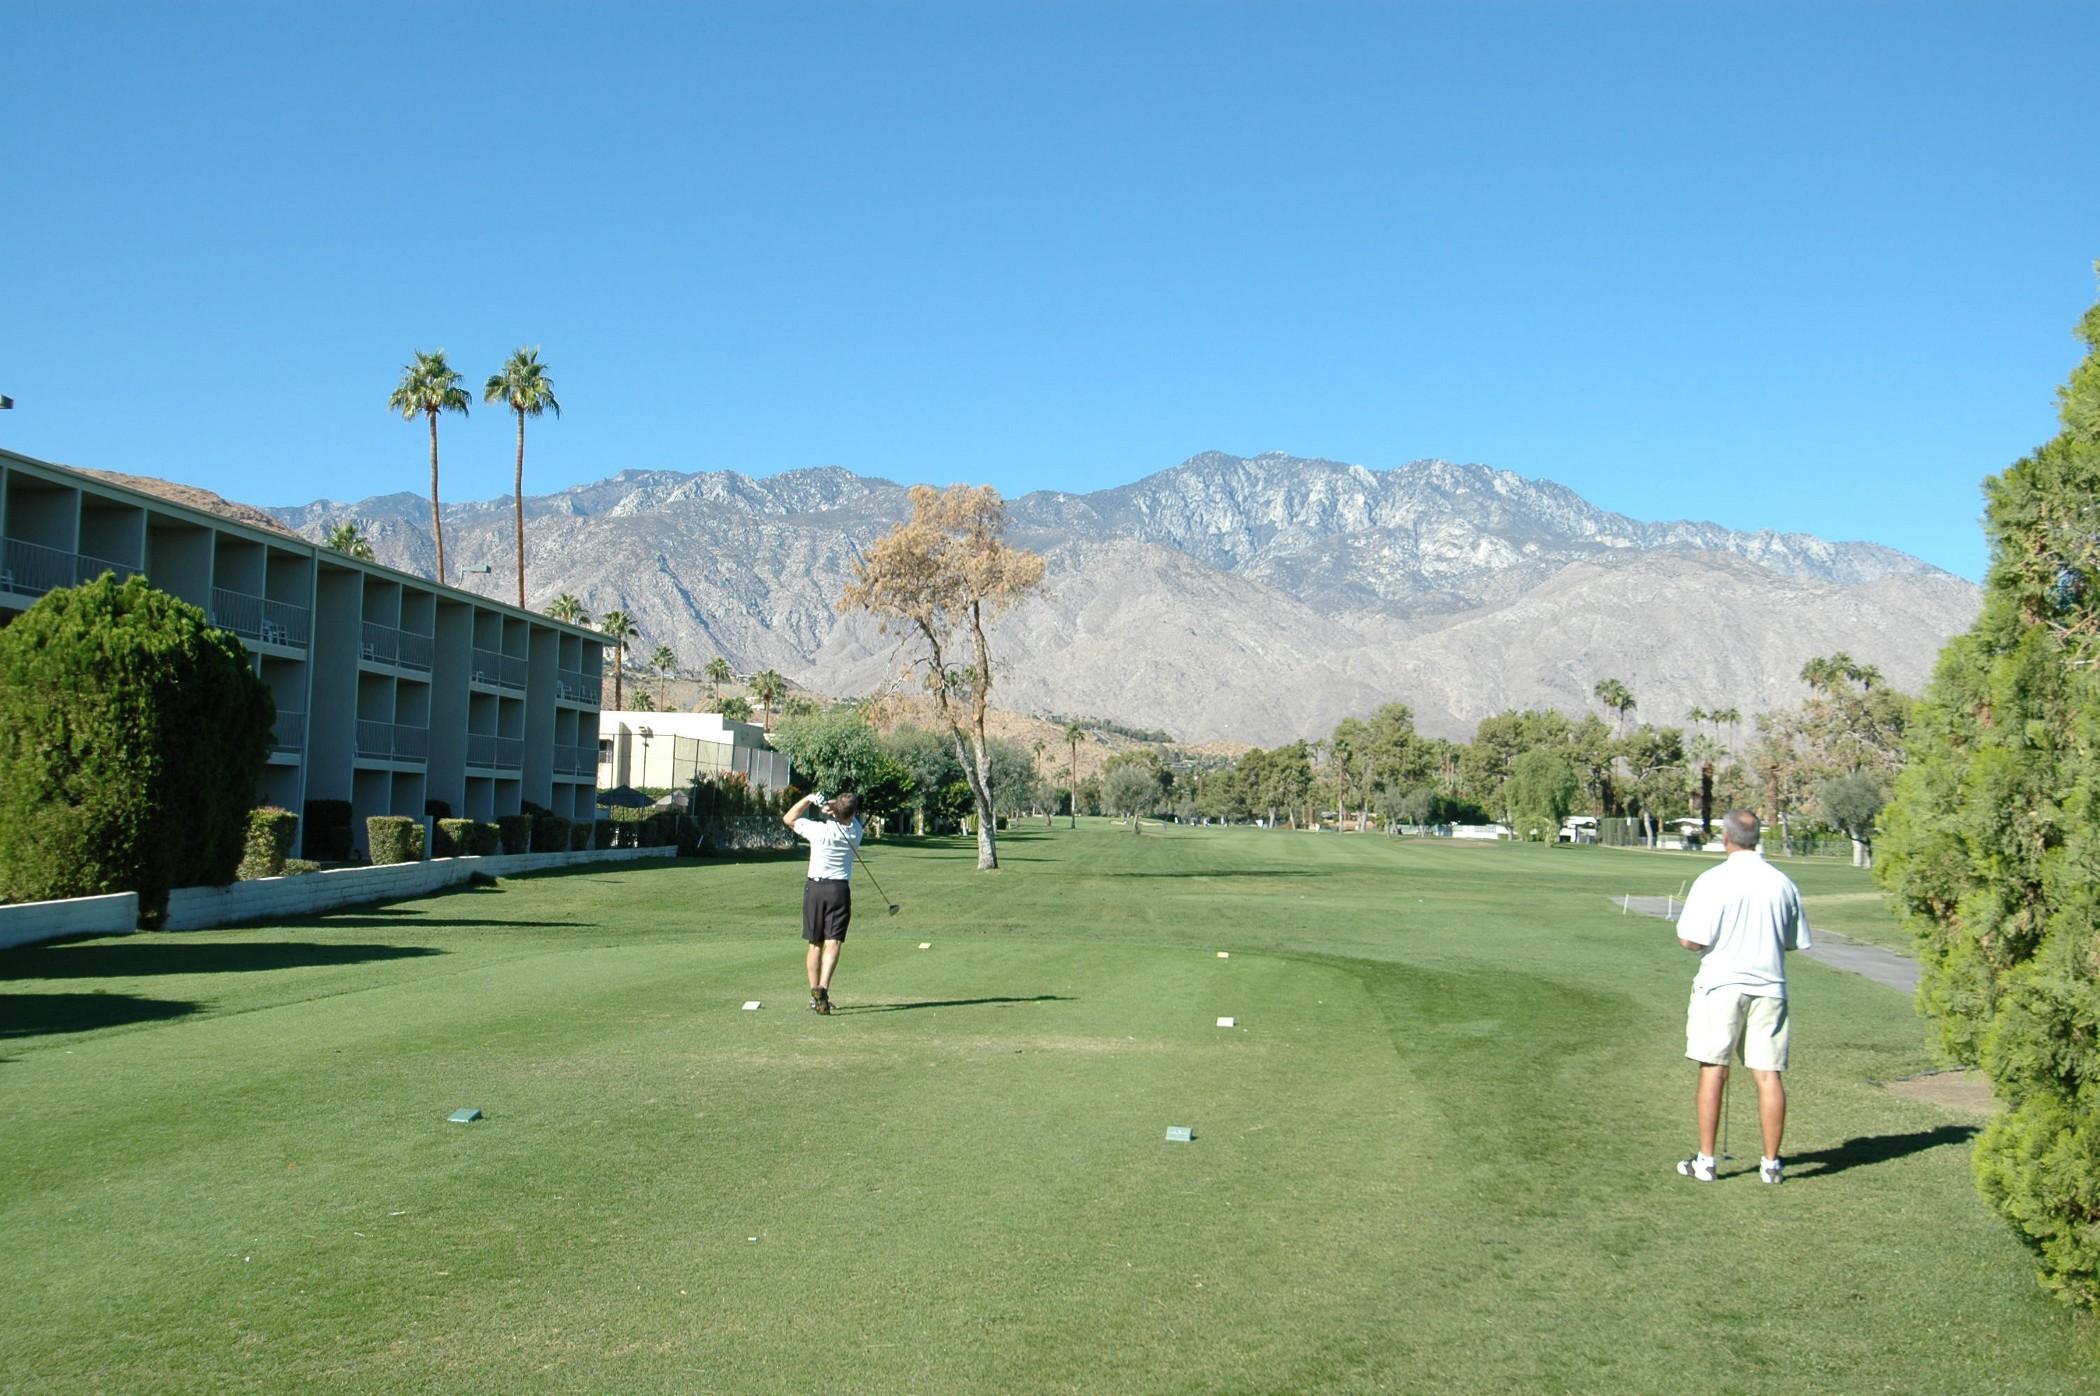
x: 327, y: 829
x: 488, y: 839
x: 602, y: 834
x: 515, y: 831
x: 132, y: 738
x: 550, y: 833
x: 270, y: 832
x: 1992, y: 838
x: 293, y: 867
x: 579, y: 835
x: 455, y: 838
x: 438, y: 809
x: 394, y: 838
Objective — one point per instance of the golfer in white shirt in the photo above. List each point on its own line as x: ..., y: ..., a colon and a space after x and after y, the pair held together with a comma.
x: 827, y: 897
x: 1742, y: 918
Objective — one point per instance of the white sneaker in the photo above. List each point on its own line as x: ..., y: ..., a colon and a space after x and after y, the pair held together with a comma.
x: 1697, y: 1169
x: 1771, y: 1170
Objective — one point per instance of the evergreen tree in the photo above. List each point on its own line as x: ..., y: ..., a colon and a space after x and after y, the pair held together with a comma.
x: 1993, y: 838
x: 133, y: 736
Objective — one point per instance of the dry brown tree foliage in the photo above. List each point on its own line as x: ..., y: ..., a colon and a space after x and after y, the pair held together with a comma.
x: 942, y: 577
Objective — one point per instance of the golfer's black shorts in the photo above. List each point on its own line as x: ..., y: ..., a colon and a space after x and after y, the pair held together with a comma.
x: 827, y: 905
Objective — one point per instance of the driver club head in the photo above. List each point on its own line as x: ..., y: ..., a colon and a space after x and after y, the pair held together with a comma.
x: 894, y: 908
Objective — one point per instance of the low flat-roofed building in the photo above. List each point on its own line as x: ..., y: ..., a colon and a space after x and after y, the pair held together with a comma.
x: 393, y: 692
x: 666, y: 751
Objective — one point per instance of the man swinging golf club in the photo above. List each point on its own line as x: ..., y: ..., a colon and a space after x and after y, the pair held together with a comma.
x: 1742, y: 918
x: 827, y: 897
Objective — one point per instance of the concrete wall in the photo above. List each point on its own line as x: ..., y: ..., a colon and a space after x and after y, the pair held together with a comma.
x: 307, y: 894
x: 27, y: 923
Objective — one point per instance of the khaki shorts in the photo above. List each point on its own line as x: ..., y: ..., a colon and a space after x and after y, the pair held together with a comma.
x: 1724, y: 1024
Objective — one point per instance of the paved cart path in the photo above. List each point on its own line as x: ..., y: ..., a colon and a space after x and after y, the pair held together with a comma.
x: 1840, y: 952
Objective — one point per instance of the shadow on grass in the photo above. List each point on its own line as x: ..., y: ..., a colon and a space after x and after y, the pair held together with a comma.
x: 374, y: 919
x: 1224, y: 872
x: 947, y: 1003
x: 38, y: 1015
x: 1875, y: 1148
x: 122, y: 959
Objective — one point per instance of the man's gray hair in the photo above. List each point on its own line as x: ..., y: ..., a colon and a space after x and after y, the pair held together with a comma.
x: 1740, y: 827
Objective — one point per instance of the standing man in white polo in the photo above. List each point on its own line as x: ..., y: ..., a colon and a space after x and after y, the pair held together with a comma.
x: 1742, y: 918
x: 827, y: 897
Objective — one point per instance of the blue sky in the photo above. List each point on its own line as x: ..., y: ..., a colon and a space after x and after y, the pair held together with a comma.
x: 1809, y: 267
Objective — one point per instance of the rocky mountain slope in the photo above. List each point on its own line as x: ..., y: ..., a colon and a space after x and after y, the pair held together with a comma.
x: 1254, y: 599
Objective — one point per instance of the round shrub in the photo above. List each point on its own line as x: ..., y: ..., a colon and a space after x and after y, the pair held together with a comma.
x: 394, y: 838
x: 269, y: 842
x: 515, y: 830
x: 455, y: 838
x: 132, y: 738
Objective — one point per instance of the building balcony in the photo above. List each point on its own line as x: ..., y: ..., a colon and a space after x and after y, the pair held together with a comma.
x: 289, y: 737
x: 254, y: 618
x: 574, y: 686
x: 404, y: 649
x: 579, y: 760
x: 393, y: 741
x: 495, y: 753
x: 498, y: 670
x: 31, y: 569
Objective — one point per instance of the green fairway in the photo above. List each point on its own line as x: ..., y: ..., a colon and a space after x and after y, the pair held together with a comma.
x: 1434, y: 1155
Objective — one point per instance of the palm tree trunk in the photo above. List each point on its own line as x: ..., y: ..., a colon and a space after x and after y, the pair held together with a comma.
x: 619, y: 664
x: 519, y: 493
x: 1074, y: 811
x: 437, y: 524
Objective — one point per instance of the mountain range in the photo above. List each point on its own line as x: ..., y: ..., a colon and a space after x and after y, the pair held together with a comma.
x: 1253, y: 599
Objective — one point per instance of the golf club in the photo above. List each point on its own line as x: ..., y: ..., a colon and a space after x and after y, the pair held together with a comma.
x: 862, y: 859
x: 1724, y: 1118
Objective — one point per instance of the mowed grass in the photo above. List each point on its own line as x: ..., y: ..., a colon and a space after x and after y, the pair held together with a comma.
x: 1433, y: 1156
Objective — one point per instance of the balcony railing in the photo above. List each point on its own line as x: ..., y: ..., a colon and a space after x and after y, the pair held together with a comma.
x: 575, y: 686
x: 290, y: 733
x: 579, y: 760
x: 495, y: 753
x: 31, y: 569
x: 404, y: 649
x: 273, y: 622
x: 393, y: 741
x: 499, y: 670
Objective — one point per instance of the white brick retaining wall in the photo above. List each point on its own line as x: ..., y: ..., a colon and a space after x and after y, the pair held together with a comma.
x: 27, y: 923
x: 307, y: 894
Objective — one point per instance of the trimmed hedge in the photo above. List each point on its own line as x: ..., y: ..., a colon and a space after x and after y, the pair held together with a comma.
x: 602, y: 834
x: 455, y: 838
x: 327, y: 829
x: 515, y: 832
x: 133, y: 734
x: 550, y: 833
x: 488, y: 839
x: 270, y: 832
x: 394, y: 838
x: 579, y: 835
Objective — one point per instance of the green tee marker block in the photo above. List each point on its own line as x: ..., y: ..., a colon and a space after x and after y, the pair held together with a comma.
x: 465, y: 1115
x: 1181, y: 1134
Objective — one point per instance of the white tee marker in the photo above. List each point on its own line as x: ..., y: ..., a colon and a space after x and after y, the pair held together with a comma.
x: 1224, y: 954
x: 1226, y: 1022
x: 926, y: 945
x: 751, y: 1005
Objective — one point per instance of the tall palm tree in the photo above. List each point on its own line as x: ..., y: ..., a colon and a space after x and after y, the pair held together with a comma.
x: 1614, y: 694
x: 348, y: 537
x: 1073, y: 732
x: 769, y: 688
x: 429, y: 386
x: 568, y: 608
x: 526, y: 389
x: 620, y: 627
x: 665, y: 664
x: 718, y: 673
